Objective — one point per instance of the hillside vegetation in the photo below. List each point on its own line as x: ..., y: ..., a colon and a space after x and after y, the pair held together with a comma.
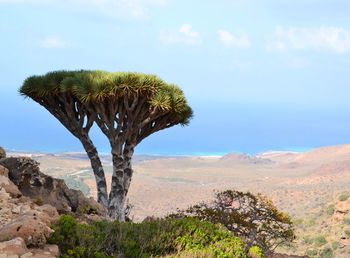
x: 186, y: 237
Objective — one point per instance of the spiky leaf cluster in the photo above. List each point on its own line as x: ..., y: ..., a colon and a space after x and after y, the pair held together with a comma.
x: 97, y: 86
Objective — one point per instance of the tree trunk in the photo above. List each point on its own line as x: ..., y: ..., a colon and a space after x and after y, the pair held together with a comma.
x: 128, y: 171
x: 116, y: 209
x: 97, y: 168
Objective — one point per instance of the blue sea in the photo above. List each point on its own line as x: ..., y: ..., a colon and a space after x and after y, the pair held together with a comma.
x: 217, y: 129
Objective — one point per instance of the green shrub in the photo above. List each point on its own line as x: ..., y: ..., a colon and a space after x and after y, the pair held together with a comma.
x: 310, y: 223
x: 347, y: 232
x: 235, y: 210
x: 256, y: 252
x: 327, y: 253
x: 162, y: 237
x: 335, y: 245
x: 298, y: 222
x: 307, y: 240
x: 88, y: 209
x: 38, y: 201
x: 320, y: 240
x: 311, y: 252
x: 330, y: 209
x: 343, y: 196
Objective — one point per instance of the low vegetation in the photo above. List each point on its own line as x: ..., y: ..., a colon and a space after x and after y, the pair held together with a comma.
x: 187, y: 237
x: 253, y: 218
x: 343, y: 196
x: 325, y: 230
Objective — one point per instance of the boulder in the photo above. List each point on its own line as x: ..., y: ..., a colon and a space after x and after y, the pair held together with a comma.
x: 15, y: 247
x: 7, y: 184
x: 4, y: 171
x: 29, y: 227
x: 341, y: 211
x: 26, y: 175
x: 50, y: 211
x: 2, y: 153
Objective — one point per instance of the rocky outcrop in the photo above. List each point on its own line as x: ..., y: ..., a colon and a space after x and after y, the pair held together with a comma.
x: 21, y: 217
x: 23, y: 224
x: 2, y: 153
x: 7, y: 184
x: 33, y: 226
x: 30, y: 202
x: 26, y: 175
x: 16, y: 248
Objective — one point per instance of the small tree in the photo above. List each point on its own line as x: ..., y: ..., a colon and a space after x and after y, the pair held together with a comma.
x: 254, y: 218
x: 127, y: 107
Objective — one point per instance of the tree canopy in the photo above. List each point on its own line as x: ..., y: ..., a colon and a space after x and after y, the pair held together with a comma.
x: 97, y: 86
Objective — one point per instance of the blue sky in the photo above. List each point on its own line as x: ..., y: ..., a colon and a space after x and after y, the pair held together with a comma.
x: 260, y: 75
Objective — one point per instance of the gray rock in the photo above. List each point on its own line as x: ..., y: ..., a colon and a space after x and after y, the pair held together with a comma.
x: 44, y: 189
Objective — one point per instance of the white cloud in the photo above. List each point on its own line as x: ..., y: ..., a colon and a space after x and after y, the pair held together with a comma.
x: 230, y: 40
x: 53, y: 42
x: 125, y: 9
x: 329, y: 39
x: 184, y: 35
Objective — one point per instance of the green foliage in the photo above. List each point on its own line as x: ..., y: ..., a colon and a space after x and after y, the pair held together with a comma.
x: 330, y: 209
x: 163, y: 237
x: 253, y: 218
x: 98, y: 86
x: 326, y: 253
x: 298, y: 222
x: 39, y: 201
x: 310, y: 223
x: 256, y: 252
x: 335, y: 245
x: 307, y: 240
x: 88, y: 209
x: 320, y: 240
x: 347, y: 232
x: 311, y: 252
x: 343, y: 196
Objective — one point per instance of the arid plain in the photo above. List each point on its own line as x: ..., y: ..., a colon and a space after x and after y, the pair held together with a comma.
x: 302, y: 184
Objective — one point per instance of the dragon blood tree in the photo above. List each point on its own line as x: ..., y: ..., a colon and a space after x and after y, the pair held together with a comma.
x: 127, y: 107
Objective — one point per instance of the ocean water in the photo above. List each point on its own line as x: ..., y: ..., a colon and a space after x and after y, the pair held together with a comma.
x: 215, y: 130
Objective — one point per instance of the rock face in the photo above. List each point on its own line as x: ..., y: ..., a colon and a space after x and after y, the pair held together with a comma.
x: 23, y: 224
x: 30, y: 202
x: 2, y: 153
x: 32, y: 226
x: 26, y: 175
x: 21, y: 217
x: 17, y: 248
